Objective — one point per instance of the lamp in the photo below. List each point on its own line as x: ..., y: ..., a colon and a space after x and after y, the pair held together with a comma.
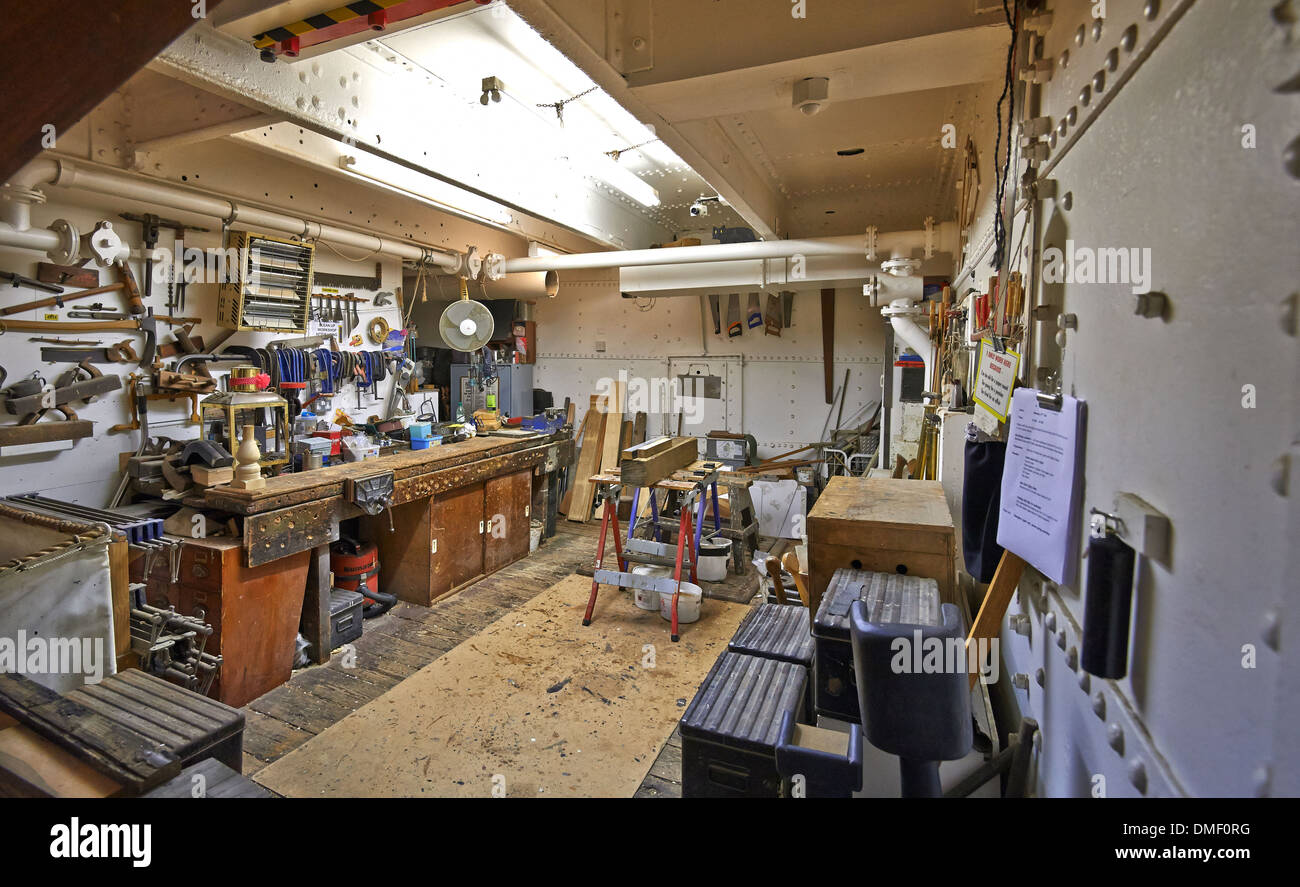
x: 246, y: 403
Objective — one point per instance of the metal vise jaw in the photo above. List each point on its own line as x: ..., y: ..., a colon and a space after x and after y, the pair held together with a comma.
x: 372, y: 494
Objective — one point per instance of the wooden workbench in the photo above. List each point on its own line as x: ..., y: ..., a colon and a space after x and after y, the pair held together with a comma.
x: 444, y: 490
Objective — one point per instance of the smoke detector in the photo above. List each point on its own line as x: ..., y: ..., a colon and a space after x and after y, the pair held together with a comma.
x: 811, y: 93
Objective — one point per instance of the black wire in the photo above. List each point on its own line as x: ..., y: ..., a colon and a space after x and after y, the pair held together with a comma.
x: 1003, y: 171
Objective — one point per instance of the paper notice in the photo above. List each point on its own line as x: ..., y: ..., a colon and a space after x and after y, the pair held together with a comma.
x: 1041, y: 484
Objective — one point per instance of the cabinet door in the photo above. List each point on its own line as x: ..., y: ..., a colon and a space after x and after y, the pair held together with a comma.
x: 507, y: 505
x: 405, y: 551
x: 457, y: 528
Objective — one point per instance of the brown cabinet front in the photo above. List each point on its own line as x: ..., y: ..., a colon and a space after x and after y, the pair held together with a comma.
x: 457, y: 523
x: 508, y: 505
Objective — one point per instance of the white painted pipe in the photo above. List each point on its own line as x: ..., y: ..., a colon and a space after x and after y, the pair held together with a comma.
x: 70, y: 174
x: 945, y: 240
x: 910, y: 331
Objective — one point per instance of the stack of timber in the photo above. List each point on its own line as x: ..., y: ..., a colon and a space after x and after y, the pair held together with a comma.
x: 601, y: 434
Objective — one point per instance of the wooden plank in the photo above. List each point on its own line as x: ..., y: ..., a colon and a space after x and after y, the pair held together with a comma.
x: 828, y: 342
x: 613, y: 415
x: 126, y: 757
x: 988, y: 622
x: 588, y: 463
x: 45, y: 432
x: 567, y: 499
x: 277, y: 534
x: 645, y: 471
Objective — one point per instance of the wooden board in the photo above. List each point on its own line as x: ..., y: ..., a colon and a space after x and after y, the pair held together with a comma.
x: 644, y: 471
x: 612, y: 429
x: 556, y: 709
x: 593, y: 446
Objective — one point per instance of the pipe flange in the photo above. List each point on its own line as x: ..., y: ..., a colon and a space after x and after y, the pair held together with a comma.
x: 900, y: 267
x: 69, y: 249
x: 495, y: 266
x: 29, y: 196
x: 471, y: 263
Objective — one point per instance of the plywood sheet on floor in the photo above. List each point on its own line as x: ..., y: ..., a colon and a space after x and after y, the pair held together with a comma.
x: 556, y: 708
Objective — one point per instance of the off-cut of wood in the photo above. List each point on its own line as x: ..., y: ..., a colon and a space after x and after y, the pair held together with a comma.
x: 588, y: 463
x: 655, y: 464
x: 613, y: 427
x: 553, y: 708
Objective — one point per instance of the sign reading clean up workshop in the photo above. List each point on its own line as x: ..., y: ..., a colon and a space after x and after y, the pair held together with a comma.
x: 995, y: 379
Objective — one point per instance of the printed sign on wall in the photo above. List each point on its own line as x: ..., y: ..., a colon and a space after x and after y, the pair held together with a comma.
x: 995, y: 379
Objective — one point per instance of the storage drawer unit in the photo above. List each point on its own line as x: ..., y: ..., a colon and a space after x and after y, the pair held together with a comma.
x: 890, y: 598
x: 881, y: 525
x: 254, y: 611
x: 780, y: 632
x: 730, y: 729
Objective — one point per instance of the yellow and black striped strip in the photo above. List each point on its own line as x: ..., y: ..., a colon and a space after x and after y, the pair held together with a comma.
x: 323, y: 20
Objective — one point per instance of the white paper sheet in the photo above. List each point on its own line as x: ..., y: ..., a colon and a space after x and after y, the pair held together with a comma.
x: 1041, y: 484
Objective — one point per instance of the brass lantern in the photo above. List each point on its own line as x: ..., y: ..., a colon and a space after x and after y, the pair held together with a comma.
x: 248, y: 403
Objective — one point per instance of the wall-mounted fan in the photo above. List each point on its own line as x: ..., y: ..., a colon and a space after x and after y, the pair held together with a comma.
x: 466, y: 325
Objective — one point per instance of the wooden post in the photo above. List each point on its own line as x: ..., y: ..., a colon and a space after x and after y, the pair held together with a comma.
x: 315, y: 623
x: 988, y: 622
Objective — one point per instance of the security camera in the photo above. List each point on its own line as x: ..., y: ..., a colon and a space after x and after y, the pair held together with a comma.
x: 810, y: 94
x: 699, y: 208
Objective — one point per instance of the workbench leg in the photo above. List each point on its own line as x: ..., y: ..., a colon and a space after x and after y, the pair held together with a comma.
x: 315, y: 622
x: 717, y: 515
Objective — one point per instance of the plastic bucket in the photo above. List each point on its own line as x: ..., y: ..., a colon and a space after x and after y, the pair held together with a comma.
x: 534, y: 535
x: 688, y: 603
x: 714, y: 554
x: 648, y: 600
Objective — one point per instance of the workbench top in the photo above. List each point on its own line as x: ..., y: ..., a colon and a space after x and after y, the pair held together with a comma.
x: 324, y: 483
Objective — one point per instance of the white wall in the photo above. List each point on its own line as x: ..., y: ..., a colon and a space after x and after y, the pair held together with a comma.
x: 781, y: 383
x: 1164, y: 167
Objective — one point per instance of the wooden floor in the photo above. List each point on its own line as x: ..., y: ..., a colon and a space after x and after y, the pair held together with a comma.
x: 409, y: 637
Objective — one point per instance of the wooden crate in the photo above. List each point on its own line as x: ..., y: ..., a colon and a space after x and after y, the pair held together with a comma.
x: 881, y: 525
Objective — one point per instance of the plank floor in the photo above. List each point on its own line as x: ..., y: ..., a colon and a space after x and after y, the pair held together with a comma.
x: 409, y: 637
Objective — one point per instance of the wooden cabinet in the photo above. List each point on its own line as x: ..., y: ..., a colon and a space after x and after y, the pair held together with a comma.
x: 507, y: 505
x: 882, y: 525
x: 254, y: 611
x: 440, y: 544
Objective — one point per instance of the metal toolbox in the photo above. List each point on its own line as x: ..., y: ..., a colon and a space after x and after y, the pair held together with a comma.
x: 345, y: 616
x: 890, y: 598
x: 730, y: 729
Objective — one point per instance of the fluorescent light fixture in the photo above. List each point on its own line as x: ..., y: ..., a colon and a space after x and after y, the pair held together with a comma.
x: 435, y: 192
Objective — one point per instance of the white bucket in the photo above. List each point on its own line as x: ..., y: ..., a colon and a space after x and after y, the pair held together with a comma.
x: 714, y: 554
x: 535, y: 535
x: 688, y: 603
x: 648, y: 600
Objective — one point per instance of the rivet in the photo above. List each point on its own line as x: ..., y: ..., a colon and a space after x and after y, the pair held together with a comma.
x: 1085, y: 681
x: 1099, y: 705
x: 1049, y: 622
x: 1263, y: 780
x: 1291, y: 158
x: 1061, y: 639
x: 1062, y: 127
x: 1129, y: 38
x: 1072, y: 659
x: 1072, y: 115
x: 1099, y: 81
x: 1151, y: 9
x: 1040, y: 677
x: 1065, y: 58
x: 1096, y: 30
x: 1067, y: 202
x: 1115, y: 737
x: 1272, y: 629
x: 1079, y: 35
x: 1289, y: 313
x: 1112, y: 61
x: 1085, y: 95
x: 1137, y: 774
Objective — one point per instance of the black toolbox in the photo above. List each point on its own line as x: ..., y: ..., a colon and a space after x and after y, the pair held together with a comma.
x: 890, y: 598
x: 780, y: 632
x: 730, y: 729
x: 345, y: 616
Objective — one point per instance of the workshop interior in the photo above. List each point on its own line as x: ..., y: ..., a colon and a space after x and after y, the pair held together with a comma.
x: 650, y: 399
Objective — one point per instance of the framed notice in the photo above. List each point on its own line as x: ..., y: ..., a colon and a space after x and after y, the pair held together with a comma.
x: 995, y: 377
